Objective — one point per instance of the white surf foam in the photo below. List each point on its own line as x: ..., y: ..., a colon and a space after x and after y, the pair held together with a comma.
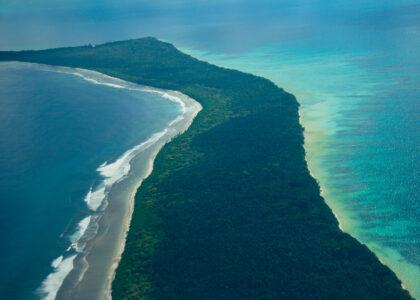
x: 94, y: 198
x: 80, y: 232
x: 116, y: 171
x: 102, y: 79
x: 56, y: 262
x: 176, y: 120
x: 51, y: 285
x: 171, y: 97
x: 110, y: 172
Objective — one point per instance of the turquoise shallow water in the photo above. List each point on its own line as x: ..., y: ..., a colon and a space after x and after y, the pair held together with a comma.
x: 353, y: 65
x: 361, y: 122
x: 56, y: 130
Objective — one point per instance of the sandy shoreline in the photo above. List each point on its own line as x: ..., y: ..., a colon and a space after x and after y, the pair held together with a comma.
x: 83, y: 281
x: 88, y: 269
x: 196, y: 109
x: 97, y: 279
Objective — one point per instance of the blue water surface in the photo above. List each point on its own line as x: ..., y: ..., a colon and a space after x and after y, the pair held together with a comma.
x: 56, y: 130
x: 354, y: 66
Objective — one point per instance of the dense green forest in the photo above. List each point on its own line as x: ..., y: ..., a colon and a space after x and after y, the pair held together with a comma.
x: 230, y: 211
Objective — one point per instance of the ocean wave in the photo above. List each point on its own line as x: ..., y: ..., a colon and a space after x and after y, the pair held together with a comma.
x: 116, y: 171
x: 95, y: 198
x: 111, y: 173
x: 56, y: 262
x: 176, y: 120
x: 168, y: 96
x: 51, y: 285
x: 98, y: 78
x: 80, y: 232
x: 102, y: 79
x: 62, y: 266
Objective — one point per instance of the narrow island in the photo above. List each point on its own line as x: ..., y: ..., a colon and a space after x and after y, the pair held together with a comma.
x: 230, y: 210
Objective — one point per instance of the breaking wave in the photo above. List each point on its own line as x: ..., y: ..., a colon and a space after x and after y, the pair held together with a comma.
x: 111, y: 173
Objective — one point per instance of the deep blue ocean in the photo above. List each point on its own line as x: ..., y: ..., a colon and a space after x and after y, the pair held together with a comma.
x: 353, y: 65
x: 56, y: 130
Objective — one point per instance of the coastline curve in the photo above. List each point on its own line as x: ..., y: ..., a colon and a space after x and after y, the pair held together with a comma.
x: 120, y: 182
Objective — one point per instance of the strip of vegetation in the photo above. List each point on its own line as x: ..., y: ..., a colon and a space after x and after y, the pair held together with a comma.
x: 230, y: 211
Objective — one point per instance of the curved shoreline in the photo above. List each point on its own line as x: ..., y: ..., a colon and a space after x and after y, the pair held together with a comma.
x: 196, y: 109
x: 239, y: 107
x: 71, y: 271
x: 126, y: 226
